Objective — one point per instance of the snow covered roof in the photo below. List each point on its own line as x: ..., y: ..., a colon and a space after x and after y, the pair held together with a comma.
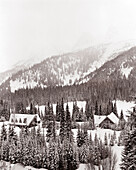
x: 113, y: 118
x: 23, y: 119
x: 98, y: 119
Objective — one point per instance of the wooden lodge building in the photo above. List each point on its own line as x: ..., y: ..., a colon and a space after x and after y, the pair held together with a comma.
x: 107, y: 122
x: 24, y: 120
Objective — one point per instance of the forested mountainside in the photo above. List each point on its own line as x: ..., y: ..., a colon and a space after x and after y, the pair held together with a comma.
x: 124, y: 65
x: 64, y: 69
x: 57, y: 70
x: 6, y: 74
x: 117, y: 75
x: 101, y: 92
x: 21, y: 65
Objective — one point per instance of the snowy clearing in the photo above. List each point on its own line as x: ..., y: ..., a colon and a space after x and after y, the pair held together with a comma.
x: 125, y: 106
x: 80, y: 104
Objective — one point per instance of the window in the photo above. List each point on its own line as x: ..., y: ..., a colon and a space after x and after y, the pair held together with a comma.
x: 12, y: 120
x: 20, y: 121
x: 16, y: 121
x: 25, y: 120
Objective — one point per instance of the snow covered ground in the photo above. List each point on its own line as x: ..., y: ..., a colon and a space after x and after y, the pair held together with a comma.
x: 82, y: 167
x: 121, y: 105
x: 118, y: 150
x: 100, y: 133
x: 125, y: 106
x: 80, y: 104
x: 17, y: 166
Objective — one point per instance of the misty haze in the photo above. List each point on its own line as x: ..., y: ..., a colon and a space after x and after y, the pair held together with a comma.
x: 67, y: 85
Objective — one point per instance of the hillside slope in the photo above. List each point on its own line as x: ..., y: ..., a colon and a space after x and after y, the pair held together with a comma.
x: 124, y: 65
x: 67, y: 69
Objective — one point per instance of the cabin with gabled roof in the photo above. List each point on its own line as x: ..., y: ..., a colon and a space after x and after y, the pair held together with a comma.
x: 24, y: 120
x: 108, y: 122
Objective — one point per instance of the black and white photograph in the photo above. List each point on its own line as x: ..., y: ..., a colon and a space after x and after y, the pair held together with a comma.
x: 67, y: 84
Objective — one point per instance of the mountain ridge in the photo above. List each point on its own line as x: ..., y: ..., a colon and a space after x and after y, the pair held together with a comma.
x: 65, y: 69
x: 123, y: 65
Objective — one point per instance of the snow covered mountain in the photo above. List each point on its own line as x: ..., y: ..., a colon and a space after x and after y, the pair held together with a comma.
x: 20, y: 65
x: 66, y: 69
x: 124, y: 65
x: 58, y: 70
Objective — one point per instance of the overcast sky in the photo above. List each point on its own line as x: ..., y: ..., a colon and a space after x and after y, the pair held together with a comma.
x: 40, y: 28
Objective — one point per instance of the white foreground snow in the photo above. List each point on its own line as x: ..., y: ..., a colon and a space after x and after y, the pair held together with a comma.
x: 118, y: 150
x: 17, y: 166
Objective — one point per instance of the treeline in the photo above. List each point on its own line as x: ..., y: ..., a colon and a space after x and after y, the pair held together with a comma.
x: 99, y: 91
x: 78, y: 115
